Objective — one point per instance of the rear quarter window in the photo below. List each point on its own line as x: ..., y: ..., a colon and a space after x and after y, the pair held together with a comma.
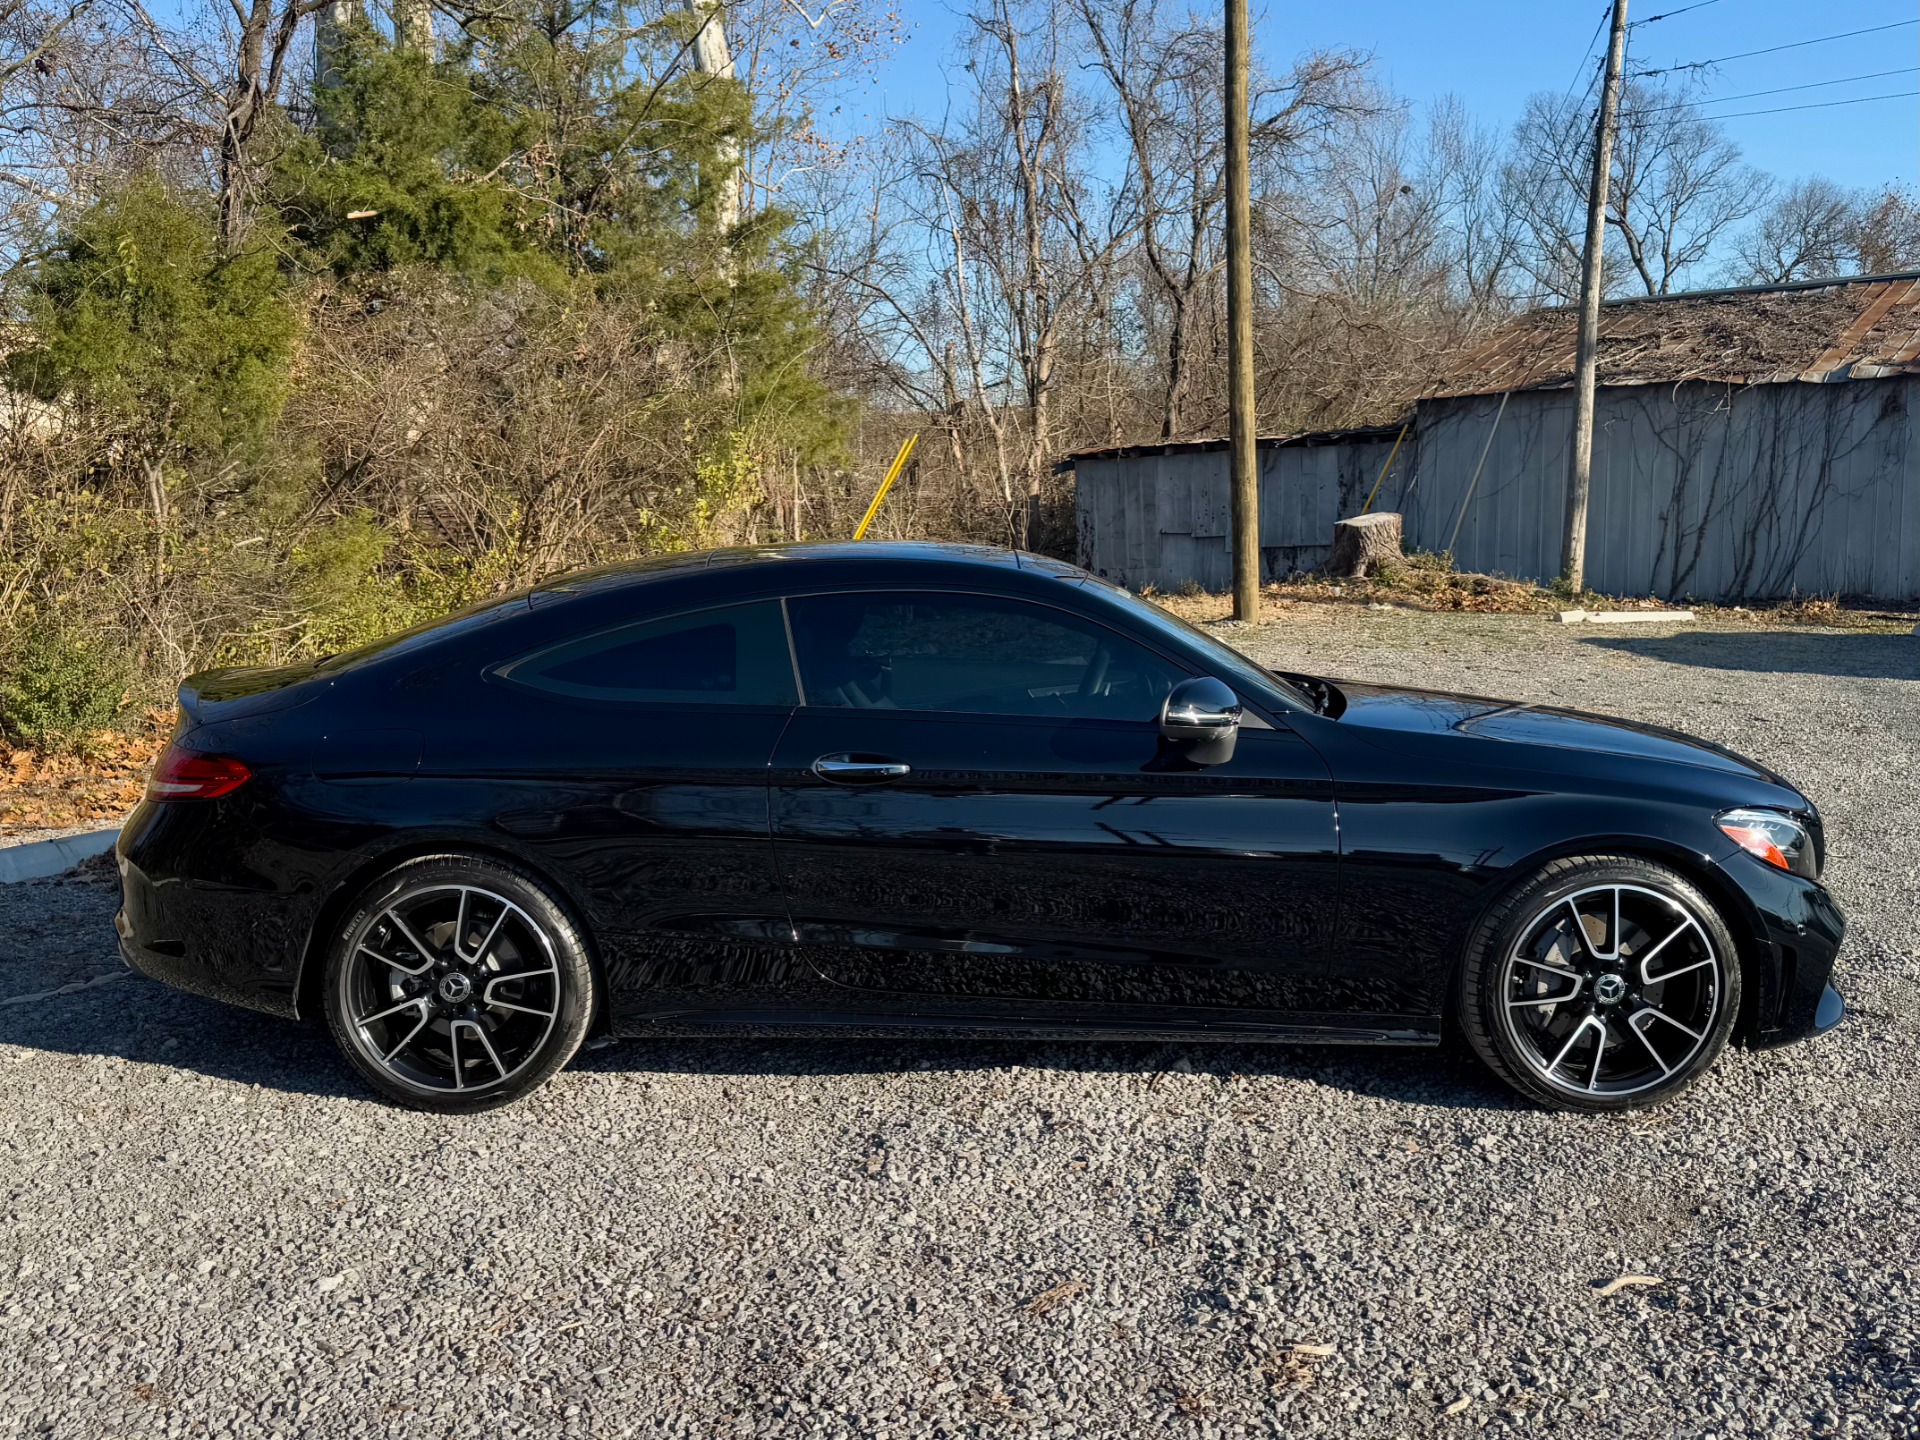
x: 727, y: 655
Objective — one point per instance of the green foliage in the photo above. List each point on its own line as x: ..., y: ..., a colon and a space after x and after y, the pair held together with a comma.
x: 60, y: 684
x: 408, y: 141
x: 143, y: 326
x: 353, y: 582
x: 534, y: 349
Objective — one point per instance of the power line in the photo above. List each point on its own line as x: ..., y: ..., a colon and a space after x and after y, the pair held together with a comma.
x: 1701, y: 5
x: 1587, y: 54
x: 1820, y: 104
x: 1783, y: 89
x: 1775, y: 49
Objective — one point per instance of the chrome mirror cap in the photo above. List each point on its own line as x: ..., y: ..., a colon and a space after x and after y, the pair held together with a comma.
x: 1205, y: 713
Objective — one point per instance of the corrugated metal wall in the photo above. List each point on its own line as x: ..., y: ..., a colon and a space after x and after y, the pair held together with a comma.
x: 1699, y: 490
x: 1162, y: 520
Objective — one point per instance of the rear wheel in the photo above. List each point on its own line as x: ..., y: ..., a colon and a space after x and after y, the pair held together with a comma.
x: 458, y: 984
x: 1602, y: 983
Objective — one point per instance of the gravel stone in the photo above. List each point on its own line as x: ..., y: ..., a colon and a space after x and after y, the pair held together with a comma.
x: 206, y: 1228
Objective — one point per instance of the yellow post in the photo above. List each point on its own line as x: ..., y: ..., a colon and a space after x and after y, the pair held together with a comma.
x: 893, y: 474
x: 1386, y: 467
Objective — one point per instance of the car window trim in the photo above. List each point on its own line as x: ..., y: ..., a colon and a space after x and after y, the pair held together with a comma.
x: 793, y: 656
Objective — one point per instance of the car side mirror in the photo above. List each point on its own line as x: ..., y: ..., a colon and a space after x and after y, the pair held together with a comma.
x: 1202, y: 716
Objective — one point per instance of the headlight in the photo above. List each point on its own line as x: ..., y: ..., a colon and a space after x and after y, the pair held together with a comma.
x: 1768, y: 835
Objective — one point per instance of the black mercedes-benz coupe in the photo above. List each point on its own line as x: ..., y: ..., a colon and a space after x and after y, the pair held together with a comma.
x: 926, y: 788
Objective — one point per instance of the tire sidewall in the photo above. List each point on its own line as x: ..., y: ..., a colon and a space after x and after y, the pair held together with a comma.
x: 1480, y: 1000
x: 578, y: 992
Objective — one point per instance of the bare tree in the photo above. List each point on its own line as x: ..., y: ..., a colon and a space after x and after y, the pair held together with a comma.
x: 1808, y: 231
x: 1678, y: 190
x: 1478, y: 236
x: 1163, y: 75
x: 90, y: 91
x: 1679, y: 186
x: 1887, y: 233
x: 1027, y: 238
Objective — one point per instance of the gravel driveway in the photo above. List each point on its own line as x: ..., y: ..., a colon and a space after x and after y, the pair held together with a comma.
x: 207, y: 1229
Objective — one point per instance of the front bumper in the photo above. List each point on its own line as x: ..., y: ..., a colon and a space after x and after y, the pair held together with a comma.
x: 1797, y: 929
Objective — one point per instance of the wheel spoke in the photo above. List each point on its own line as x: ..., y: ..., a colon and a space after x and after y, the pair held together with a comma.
x: 486, y: 943
x: 1572, y: 1040
x: 1599, y: 1054
x: 1641, y: 1035
x: 425, y: 964
x: 460, y: 925
x: 487, y: 1045
x: 453, y: 1045
x: 392, y: 1054
x: 407, y: 1004
x: 486, y: 994
x: 522, y: 1009
x: 1573, y: 975
x: 425, y: 951
x: 1675, y: 974
x: 1662, y: 1015
x: 1580, y: 935
x: 1542, y: 1004
x: 1686, y: 924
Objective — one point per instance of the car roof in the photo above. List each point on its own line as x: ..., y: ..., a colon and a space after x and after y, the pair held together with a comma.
x: 932, y: 553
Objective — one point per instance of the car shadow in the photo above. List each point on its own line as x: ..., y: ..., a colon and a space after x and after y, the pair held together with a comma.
x: 144, y: 1023
x: 1854, y: 656
x: 1448, y: 1077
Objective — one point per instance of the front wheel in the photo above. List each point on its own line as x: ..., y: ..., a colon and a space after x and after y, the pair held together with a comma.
x: 458, y: 984
x: 1603, y: 983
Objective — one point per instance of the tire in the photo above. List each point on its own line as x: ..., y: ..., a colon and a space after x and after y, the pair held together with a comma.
x: 458, y: 984
x: 1624, y: 1010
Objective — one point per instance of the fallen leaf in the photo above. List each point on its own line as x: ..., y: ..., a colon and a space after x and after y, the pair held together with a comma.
x: 1457, y: 1406
x: 1615, y: 1286
x: 1048, y: 1301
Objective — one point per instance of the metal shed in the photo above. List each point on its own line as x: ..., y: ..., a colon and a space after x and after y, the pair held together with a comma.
x: 1749, y: 444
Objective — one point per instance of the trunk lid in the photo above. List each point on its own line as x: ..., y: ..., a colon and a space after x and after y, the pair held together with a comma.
x: 236, y: 692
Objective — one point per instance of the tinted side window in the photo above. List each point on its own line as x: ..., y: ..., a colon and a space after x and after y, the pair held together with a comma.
x: 970, y: 654
x: 734, y: 655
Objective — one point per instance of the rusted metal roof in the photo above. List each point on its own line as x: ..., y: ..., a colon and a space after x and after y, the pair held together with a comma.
x: 1815, y: 331
x: 1202, y: 443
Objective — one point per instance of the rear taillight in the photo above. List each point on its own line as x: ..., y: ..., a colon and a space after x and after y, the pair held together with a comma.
x: 183, y: 775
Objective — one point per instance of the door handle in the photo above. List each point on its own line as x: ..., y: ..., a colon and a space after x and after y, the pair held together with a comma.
x: 859, y: 769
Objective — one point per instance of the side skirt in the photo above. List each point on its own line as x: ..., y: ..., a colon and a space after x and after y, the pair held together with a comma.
x: 855, y: 1025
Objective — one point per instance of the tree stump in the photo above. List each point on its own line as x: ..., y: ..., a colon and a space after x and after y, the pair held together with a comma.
x: 1363, y: 544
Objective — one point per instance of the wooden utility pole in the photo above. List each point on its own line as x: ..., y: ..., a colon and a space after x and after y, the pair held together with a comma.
x: 1573, y: 548
x: 1243, y: 468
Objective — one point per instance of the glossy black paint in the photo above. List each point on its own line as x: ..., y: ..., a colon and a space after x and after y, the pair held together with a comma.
x: 1035, y: 874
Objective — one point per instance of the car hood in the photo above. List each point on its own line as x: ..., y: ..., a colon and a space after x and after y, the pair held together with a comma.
x: 1393, y: 717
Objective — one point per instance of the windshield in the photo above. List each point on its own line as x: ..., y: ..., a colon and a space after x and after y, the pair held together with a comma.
x: 1226, y: 661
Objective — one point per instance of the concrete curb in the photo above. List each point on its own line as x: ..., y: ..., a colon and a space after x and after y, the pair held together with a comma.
x: 1625, y: 617
x: 53, y: 857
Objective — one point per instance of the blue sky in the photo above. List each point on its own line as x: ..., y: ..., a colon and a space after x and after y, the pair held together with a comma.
x: 1493, y: 53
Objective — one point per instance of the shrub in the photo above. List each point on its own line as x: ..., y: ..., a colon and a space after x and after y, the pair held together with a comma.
x: 60, y: 686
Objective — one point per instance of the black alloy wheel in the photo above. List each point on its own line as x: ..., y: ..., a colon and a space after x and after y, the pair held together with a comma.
x: 1602, y: 983
x: 458, y: 984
